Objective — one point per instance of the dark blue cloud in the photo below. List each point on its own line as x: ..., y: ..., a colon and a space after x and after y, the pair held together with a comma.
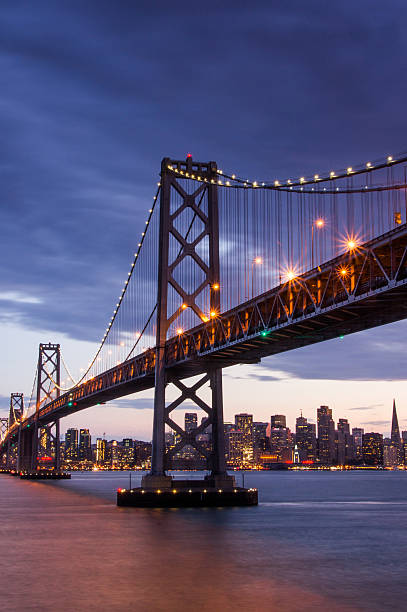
x: 93, y: 95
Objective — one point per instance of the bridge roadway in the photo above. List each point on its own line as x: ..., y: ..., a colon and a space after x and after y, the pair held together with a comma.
x: 358, y: 290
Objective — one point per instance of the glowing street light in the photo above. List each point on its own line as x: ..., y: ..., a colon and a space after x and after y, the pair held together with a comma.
x: 180, y: 331
x: 319, y: 223
x: 351, y: 244
x: 257, y: 261
x: 291, y: 275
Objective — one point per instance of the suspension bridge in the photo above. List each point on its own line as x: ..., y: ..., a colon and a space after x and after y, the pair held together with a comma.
x: 227, y: 271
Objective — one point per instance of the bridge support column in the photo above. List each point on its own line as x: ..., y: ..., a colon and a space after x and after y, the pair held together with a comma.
x: 201, y: 248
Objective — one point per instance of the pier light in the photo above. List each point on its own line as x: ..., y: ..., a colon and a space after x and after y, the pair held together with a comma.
x: 343, y: 271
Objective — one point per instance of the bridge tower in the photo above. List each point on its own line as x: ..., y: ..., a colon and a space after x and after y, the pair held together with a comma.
x: 174, y: 200
x: 37, y: 445
x: 15, y: 415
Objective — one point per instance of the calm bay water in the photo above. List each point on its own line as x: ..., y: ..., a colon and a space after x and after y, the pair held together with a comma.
x: 317, y: 541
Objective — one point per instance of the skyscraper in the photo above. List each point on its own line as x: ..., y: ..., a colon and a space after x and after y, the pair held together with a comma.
x: 357, y: 434
x: 373, y: 449
x: 244, y: 422
x: 85, y: 445
x: 305, y: 438
x: 71, y: 444
x: 100, y: 451
x: 278, y: 420
x: 191, y: 421
x: 349, y: 446
x: 326, y: 435
x: 395, y: 434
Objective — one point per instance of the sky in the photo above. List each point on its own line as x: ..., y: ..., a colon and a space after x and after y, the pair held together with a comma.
x: 94, y: 94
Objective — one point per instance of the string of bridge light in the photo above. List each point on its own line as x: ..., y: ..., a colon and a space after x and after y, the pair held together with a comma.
x: 232, y: 180
x: 120, y: 300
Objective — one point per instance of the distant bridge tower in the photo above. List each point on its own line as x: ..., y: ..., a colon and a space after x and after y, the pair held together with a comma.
x: 15, y: 415
x: 174, y: 200
x: 33, y: 455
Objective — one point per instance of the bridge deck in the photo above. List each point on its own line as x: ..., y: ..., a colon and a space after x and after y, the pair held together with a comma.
x: 355, y: 291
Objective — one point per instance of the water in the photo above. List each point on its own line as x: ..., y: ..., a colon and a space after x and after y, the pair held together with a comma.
x: 317, y: 541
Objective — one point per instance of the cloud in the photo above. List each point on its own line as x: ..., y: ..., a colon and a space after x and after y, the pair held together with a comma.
x: 376, y: 423
x: 370, y: 407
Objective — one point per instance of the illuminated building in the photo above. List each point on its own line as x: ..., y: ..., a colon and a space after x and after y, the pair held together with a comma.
x: 372, y: 448
x: 395, y: 435
x: 85, y: 445
x: 260, y: 439
x: 357, y: 435
x: 390, y: 454
x: 71, y: 445
x: 326, y: 436
x: 191, y: 421
x: 127, y: 458
x: 306, y: 439
x: 281, y: 444
x: 100, y: 451
x: 278, y: 420
x: 404, y: 447
x: 244, y: 422
x: 349, y: 446
x: 234, y: 441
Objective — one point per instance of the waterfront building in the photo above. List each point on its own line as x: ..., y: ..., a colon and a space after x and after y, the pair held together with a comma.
x: 127, y: 458
x: 395, y: 436
x: 326, y: 436
x: 357, y: 435
x: 390, y: 454
x: 281, y: 444
x: 244, y: 423
x: 339, y: 456
x: 234, y: 443
x: 372, y: 448
x: 191, y: 421
x: 349, y: 447
x: 85, y: 445
x: 100, y: 451
x: 306, y: 440
x: 71, y: 445
x: 260, y: 440
x: 278, y: 420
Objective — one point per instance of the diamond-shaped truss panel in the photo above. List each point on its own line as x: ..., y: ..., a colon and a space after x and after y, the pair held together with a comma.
x: 189, y: 275
x: 189, y: 224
